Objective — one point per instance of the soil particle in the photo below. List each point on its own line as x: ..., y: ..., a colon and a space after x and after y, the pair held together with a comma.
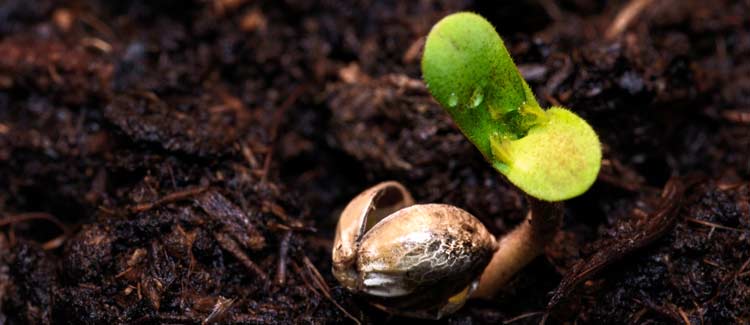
x: 34, y: 281
x: 145, y: 117
x: 89, y: 254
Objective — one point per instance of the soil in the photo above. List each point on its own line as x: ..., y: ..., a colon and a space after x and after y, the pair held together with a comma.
x: 184, y: 161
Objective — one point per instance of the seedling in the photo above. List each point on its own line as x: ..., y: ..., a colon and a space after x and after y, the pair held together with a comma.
x: 426, y: 260
x: 551, y: 155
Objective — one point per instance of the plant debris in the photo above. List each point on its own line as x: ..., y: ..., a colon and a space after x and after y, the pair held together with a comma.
x: 645, y: 232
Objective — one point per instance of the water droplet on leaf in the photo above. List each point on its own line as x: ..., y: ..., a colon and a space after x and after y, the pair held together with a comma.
x: 476, y: 97
x: 453, y: 100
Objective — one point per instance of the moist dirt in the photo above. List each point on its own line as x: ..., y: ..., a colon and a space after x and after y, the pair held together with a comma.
x: 184, y: 161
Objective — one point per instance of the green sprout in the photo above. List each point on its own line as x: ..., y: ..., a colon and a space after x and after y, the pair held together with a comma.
x: 420, y: 260
x: 552, y: 155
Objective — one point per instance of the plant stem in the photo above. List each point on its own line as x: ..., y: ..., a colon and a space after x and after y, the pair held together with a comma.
x: 520, y: 246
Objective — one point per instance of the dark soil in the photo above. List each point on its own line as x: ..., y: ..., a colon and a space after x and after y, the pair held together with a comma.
x: 184, y: 161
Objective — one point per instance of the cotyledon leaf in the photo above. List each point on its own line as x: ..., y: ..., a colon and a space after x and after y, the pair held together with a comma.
x: 552, y: 155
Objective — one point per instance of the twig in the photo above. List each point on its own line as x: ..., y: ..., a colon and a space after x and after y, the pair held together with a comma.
x: 232, y: 247
x: 413, y: 51
x: 657, y: 225
x: 165, y: 318
x: 283, y: 253
x: 742, y: 268
x: 684, y: 316
x: 321, y: 284
x: 552, y: 9
x: 219, y: 311
x: 736, y: 116
x: 96, y: 24
x: 665, y: 311
x: 625, y: 16
x: 637, y: 316
x: 714, y: 264
x: 523, y: 316
x: 277, y: 119
x: 50, y: 244
x: 171, y: 197
x: 729, y: 186
x: 18, y: 218
x: 54, y: 242
x: 298, y: 270
x: 249, y: 155
x: 712, y: 225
